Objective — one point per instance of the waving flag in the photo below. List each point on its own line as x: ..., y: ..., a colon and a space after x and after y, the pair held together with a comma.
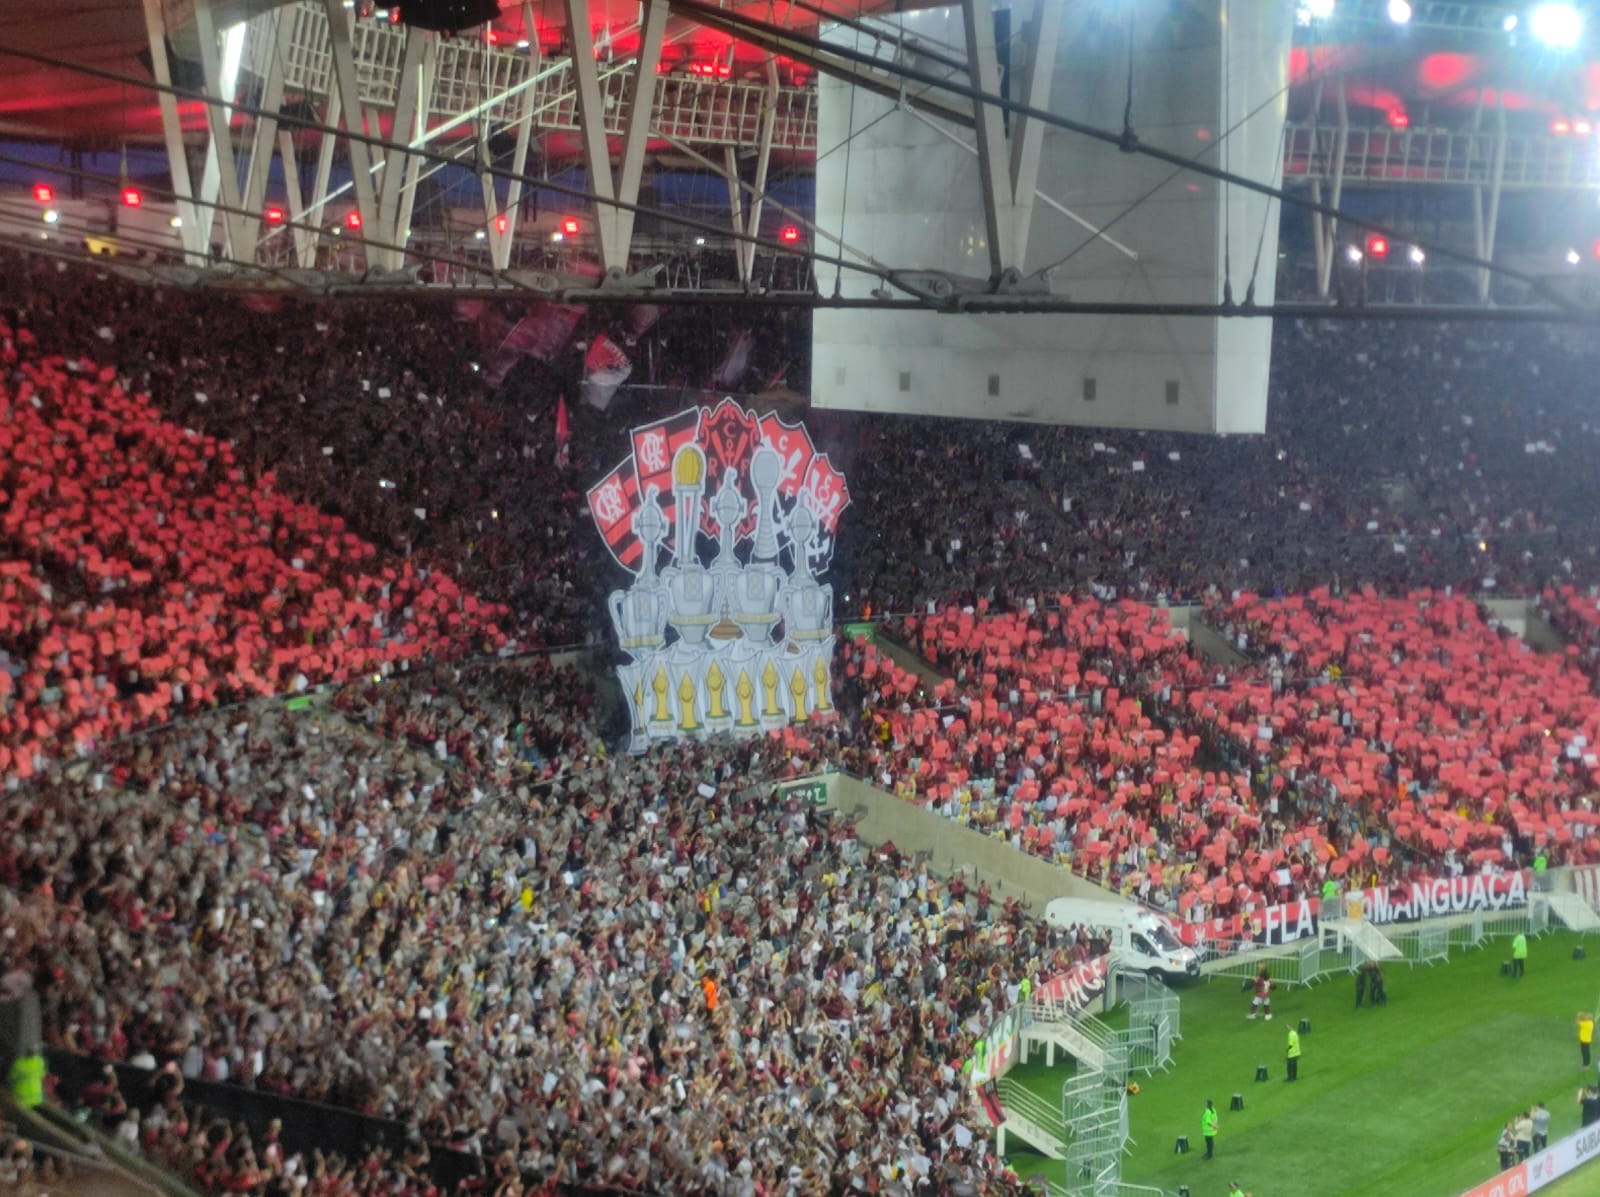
x: 605, y: 368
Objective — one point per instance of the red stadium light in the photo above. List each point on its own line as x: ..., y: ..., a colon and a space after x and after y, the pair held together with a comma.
x: 132, y: 197
x: 1561, y: 127
x: 44, y: 193
x: 570, y: 226
x: 1596, y: 250
x: 273, y: 215
x: 1399, y: 118
x: 352, y: 219
x: 501, y: 224
x: 711, y: 70
x: 1377, y: 246
x: 789, y: 234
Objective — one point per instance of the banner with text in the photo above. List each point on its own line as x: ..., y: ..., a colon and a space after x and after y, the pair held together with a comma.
x: 994, y: 1054
x: 1078, y: 988
x: 1407, y: 902
x: 1560, y: 1158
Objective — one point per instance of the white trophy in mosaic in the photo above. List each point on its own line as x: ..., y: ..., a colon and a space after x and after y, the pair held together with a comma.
x: 744, y: 642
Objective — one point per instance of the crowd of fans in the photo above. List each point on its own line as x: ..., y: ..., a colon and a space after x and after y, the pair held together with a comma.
x: 439, y: 895
x: 1395, y: 457
x: 1472, y: 477
x: 1361, y: 739
x: 146, y: 575
x: 641, y: 973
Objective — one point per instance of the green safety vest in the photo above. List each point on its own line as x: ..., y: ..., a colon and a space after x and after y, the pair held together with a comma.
x: 27, y: 1081
x: 1519, y: 947
x: 1208, y: 1123
x: 1294, y: 1045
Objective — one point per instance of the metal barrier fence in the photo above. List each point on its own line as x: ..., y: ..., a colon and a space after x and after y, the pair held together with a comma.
x: 1421, y: 943
x: 1334, y: 950
x: 1107, y: 1184
x: 1148, y: 1044
x: 1150, y: 999
x: 1096, y: 1143
x: 1299, y: 963
x: 1090, y: 1092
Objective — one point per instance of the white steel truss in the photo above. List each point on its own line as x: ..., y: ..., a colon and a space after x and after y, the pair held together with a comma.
x: 372, y: 78
x: 614, y: 223
x: 503, y: 84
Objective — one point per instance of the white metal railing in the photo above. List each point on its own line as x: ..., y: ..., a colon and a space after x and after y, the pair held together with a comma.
x: 499, y: 84
x: 1439, y: 156
x: 1087, y: 1040
x: 1149, y: 999
x: 1017, y: 1098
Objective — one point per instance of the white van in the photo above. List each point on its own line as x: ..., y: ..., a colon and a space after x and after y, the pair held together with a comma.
x: 1142, y: 941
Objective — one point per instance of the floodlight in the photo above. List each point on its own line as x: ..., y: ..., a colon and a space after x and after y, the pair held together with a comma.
x: 1400, y: 11
x: 1556, y: 25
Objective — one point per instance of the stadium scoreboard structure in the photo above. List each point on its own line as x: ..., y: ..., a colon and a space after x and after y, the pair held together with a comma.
x: 895, y: 185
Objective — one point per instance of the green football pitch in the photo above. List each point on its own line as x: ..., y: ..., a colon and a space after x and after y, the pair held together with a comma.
x: 1407, y: 1099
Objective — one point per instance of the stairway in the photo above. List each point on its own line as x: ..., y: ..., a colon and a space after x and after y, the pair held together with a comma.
x: 1030, y: 1118
x: 1575, y: 914
x: 102, y: 1166
x: 1372, y: 943
x: 1055, y: 1028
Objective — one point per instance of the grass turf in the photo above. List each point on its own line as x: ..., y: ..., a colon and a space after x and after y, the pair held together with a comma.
x: 1407, y: 1099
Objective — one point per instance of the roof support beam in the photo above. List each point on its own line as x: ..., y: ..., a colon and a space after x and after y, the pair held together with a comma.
x: 263, y: 137
x: 1027, y: 133
x: 614, y: 225
x: 750, y: 226
x: 194, y: 239
x: 994, y: 175
x: 500, y: 243
x: 1325, y: 227
x: 410, y: 113
x: 348, y: 88
x: 219, y: 62
x: 890, y: 84
x: 1485, y: 225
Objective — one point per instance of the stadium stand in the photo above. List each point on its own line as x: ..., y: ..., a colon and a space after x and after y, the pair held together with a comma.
x: 432, y: 897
